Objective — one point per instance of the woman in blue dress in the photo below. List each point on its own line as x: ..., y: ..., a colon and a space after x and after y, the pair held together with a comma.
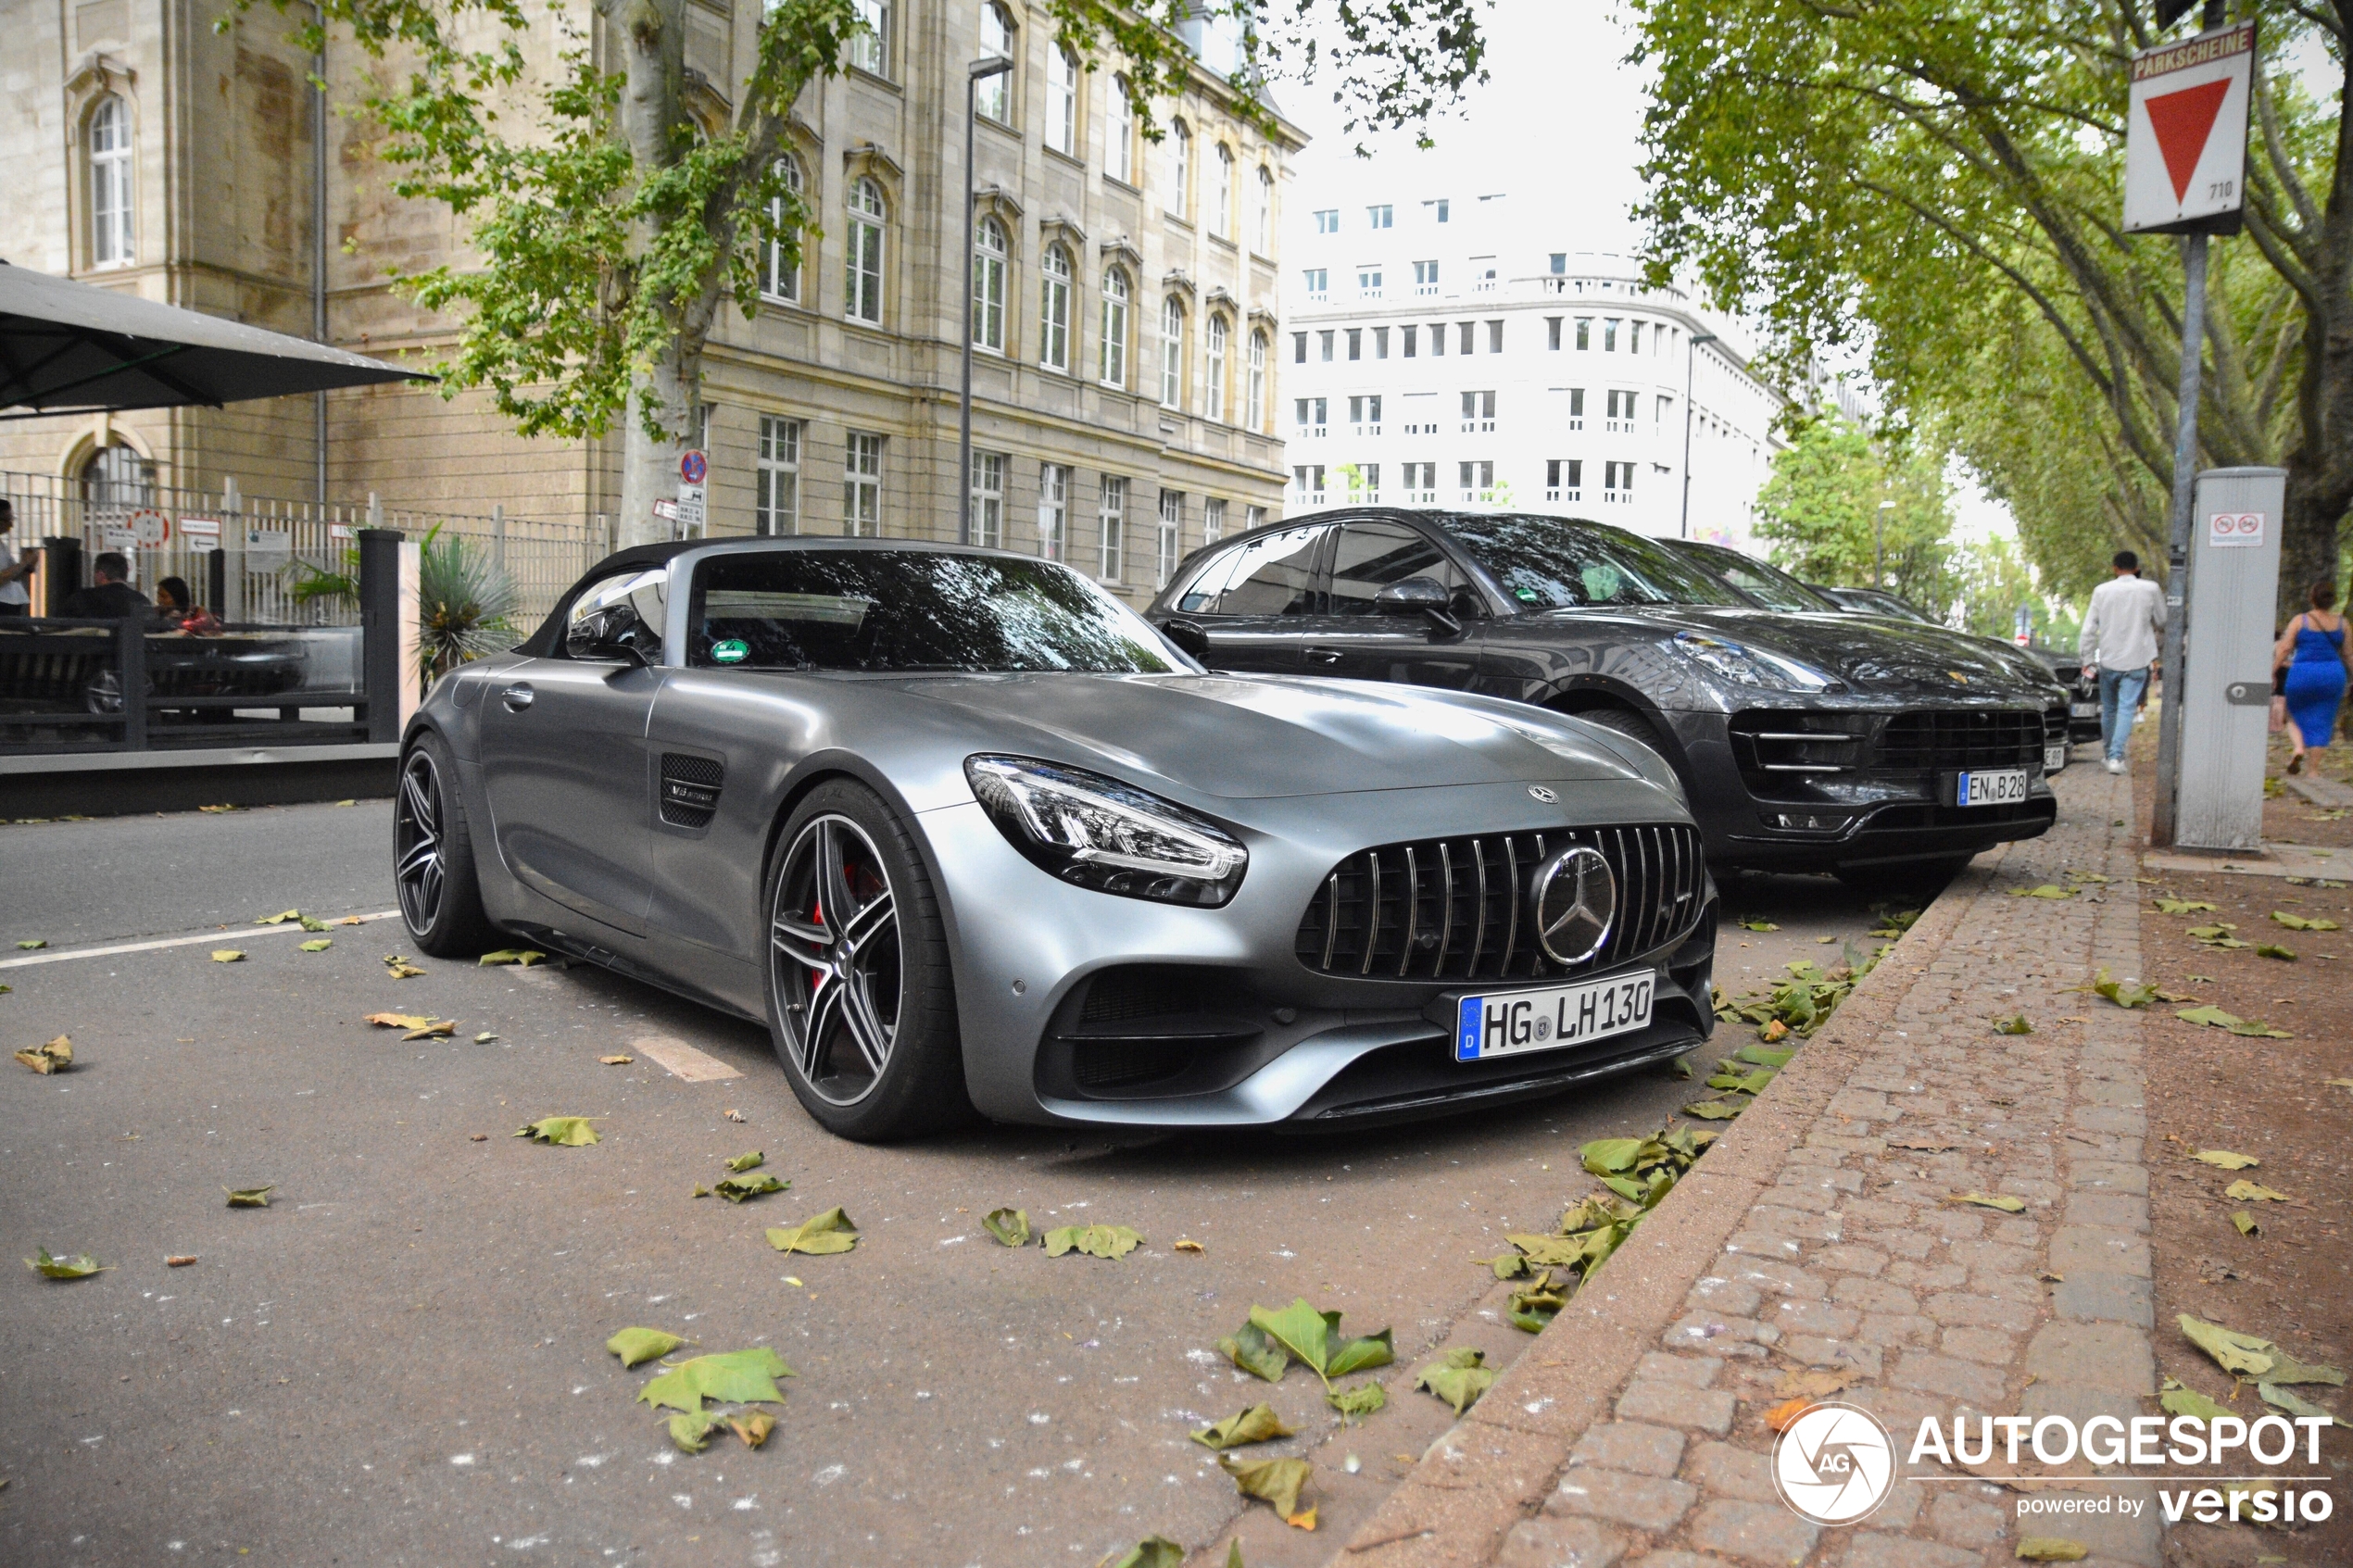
x: 2312, y: 652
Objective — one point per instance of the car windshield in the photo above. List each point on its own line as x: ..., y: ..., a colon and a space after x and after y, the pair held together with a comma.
x: 1769, y: 585
x: 1887, y: 604
x: 1557, y: 563
x: 876, y: 610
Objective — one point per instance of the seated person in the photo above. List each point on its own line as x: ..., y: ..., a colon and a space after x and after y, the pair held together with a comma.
x: 176, y: 609
x: 113, y: 597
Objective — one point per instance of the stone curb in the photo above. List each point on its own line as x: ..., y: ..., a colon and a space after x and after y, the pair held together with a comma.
x: 1494, y: 1467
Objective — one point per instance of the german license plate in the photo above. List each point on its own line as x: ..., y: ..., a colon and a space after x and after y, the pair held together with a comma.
x: 2054, y: 756
x: 2005, y: 787
x: 2084, y: 709
x: 1509, y: 1022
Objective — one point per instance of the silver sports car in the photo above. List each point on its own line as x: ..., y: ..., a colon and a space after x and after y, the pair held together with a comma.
x: 965, y: 833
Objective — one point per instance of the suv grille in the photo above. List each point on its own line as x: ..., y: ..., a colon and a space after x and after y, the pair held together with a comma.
x: 1963, y: 738
x: 1456, y: 908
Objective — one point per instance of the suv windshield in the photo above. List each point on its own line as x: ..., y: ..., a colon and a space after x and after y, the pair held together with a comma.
x: 911, y: 610
x: 1556, y: 563
x: 1769, y: 585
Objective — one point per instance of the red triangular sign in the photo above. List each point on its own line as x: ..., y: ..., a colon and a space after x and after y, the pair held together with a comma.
x: 2183, y: 121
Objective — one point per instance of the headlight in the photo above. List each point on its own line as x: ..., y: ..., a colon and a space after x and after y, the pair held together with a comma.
x: 1098, y: 832
x: 1751, y: 667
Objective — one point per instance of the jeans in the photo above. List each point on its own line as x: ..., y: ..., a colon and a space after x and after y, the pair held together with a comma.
x: 2120, y: 693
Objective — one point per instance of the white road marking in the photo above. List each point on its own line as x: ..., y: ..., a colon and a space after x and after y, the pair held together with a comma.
x: 682, y: 1061
x: 238, y: 932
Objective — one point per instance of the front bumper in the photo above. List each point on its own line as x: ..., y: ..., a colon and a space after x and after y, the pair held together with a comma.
x: 1089, y: 1009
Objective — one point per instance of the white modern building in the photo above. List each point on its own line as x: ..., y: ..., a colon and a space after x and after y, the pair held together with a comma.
x: 1440, y: 350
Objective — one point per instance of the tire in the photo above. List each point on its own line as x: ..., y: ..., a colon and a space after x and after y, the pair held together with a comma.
x: 1634, y: 727
x: 1906, y: 878
x: 861, y: 1009
x: 433, y: 856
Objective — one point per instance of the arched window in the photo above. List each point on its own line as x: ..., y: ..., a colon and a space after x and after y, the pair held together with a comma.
x: 870, y: 49
x: 1171, y: 351
x: 117, y: 479
x: 989, y: 285
x: 1114, y: 327
x: 1254, y: 407
x: 1119, y: 124
x: 112, y: 241
x: 1180, y: 170
x: 1061, y: 102
x: 1053, y: 308
x: 780, y: 275
x: 864, y: 283
x: 996, y: 94
x: 1214, y: 354
x: 1221, y: 222
x: 1263, y: 231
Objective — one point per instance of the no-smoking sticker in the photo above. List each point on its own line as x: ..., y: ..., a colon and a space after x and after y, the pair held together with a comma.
x: 2234, y: 528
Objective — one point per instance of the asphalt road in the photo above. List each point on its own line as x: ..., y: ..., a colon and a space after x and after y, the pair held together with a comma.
x: 400, y: 1361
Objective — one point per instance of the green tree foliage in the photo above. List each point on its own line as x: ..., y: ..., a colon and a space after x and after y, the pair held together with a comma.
x: 1992, y: 580
x: 1940, y: 186
x: 1817, y: 511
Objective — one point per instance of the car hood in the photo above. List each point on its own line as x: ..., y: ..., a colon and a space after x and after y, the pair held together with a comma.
x: 1879, y: 653
x: 1244, y: 737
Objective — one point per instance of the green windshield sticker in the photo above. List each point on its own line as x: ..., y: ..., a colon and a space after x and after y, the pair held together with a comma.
x: 1528, y: 595
x: 733, y: 650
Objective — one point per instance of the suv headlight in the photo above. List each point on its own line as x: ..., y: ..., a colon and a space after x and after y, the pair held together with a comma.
x: 1096, y: 831
x: 1751, y: 667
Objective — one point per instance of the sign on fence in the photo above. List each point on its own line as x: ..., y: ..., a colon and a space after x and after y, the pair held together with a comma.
x: 150, y: 528
x: 2185, y: 141
x: 268, y: 549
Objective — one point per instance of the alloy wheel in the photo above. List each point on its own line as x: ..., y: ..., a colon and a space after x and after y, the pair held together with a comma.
x: 835, y: 959
x: 418, y: 870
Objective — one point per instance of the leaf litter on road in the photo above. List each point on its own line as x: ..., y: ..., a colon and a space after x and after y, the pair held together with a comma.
x: 316, y: 945
x: 2047, y: 890
x: 569, y: 1132
x: 635, y: 1345
x: 751, y: 1159
x: 2183, y: 907
x: 1010, y: 1226
x: 2255, y: 1192
x: 1269, y: 1341
x: 734, y: 1377
x: 1159, y: 1551
x: 2226, y: 1158
x: 2302, y: 923
x: 1259, y: 1424
x: 2252, y: 1358
x: 819, y: 1236
x: 743, y: 1189
x: 249, y: 1197
x: 522, y: 958
x: 2017, y: 1023
x: 1459, y: 1378
x: 607, y: 1061
x: 228, y: 954
x: 1272, y: 1481
x: 50, y: 1056
x: 2215, y: 1018
x: 2002, y: 1202
x: 79, y: 1266
x: 1094, y: 1241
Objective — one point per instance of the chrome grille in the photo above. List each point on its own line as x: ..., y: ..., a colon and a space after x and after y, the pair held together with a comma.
x: 1450, y: 909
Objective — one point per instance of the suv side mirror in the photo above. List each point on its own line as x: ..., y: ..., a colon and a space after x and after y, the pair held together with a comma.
x: 1420, y: 595
x: 1188, y: 638
x: 614, y: 632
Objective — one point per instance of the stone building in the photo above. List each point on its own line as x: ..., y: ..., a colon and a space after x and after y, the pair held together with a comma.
x: 1125, y: 384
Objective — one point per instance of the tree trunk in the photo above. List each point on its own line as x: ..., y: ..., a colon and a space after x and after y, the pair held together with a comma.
x: 651, y: 38
x: 650, y: 465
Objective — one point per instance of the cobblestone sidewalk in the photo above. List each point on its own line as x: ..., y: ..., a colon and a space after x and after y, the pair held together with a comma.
x: 1821, y: 1237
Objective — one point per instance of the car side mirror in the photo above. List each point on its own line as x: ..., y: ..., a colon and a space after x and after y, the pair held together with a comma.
x: 1189, y: 637
x: 1420, y: 595
x: 614, y: 632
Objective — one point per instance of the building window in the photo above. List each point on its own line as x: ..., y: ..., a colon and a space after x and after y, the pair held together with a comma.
x: 1368, y: 282
x: 1443, y: 207
x: 1114, y: 327
x: 1380, y: 343
x: 1310, y: 412
x: 1262, y: 232
x: 1560, y: 262
x: 1421, y: 413
x: 1633, y: 337
x: 1482, y: 275
x: 870, y: 46
x: 1061, y: 101
x: 776, y: 508
x: 1053, y: 309
x: 988, y: 284
x: 1364, y: 415
x: 1563, y: 478
x: 1171, y: 351
x: 1212, y: 521
x: 1425, y: 277
x: 1221, y: 222
x: 1216, y: 367
x: 1307, y: 483
x: 988, y: 500
x: 1327, y: 221
x: 1421, y: 484
x: 117, y: 479
x: 1494, y: 337
x: 1584, y: 332
x: 1618, y: 482
x: 1170, y: 537
x: 1355, y: 342
x: 112, y: 239
x: 1609, y: 334
x: 1255, y: 517
x: 1364, y: 483
x: 1255, y: 405
x: 1437, y: 339
x: 1620, y: 416
x: 864, y: 283
x: 1180, y: 170
x: 1299, y: 348
x: 1411, y: 336
x: 1463, y: 341
x: 1576, y: 408
x: 1478, y: 412
x: 1478, y: 483
x: 1119, y: 124
x: 1552, y: 332
x: 996, y: 97
x: 1054, y: 508
x: 1114, y: 517
x: 1325, y: 345
x: 780, y: 275
x: 862, y: 486
x: 1658, y: 413
x: 1319, y: 282
x: 1383, y: 217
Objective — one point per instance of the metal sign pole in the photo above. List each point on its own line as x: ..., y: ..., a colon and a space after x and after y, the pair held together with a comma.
x: 2177, y: 574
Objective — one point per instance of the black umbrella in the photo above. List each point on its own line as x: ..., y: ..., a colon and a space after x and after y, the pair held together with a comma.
x: 68, y: 349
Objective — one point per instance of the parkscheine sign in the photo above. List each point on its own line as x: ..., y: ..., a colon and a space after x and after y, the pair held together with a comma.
x: 2185, y: 141
x: 1836, y: 1463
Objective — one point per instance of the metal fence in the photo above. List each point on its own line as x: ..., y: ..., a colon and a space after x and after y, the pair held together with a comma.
x: 267, y: 547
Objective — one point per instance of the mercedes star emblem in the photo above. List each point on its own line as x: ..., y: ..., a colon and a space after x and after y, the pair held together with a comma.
x: 1575, y: 899
x: 1548, y: 796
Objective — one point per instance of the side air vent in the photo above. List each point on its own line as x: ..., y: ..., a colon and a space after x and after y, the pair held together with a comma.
x: 690, y: 789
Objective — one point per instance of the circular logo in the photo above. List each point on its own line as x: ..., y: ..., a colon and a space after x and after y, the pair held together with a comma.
x: 733, y: 650
x: 1834, y: 1464
x: 1549, y: 796
x: 1575, y: 902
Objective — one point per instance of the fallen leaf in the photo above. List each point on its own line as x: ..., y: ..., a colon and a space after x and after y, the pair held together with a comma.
x: 2246, y: 1223
x: 751, y: 1160
x: 316, y: 945
x: 79, y: 1266
x: 2273, y: 950
x: 1714, y: 1110
x: 819, y: 1236
x: 51, y: 1056
x: 2015, y: 1024
x: 1779, y: 1418
x: 1007, y: 1226
x: 484, y: 1038
x: 2225, y: 1158
x: 2179, y: 1399
x: 752, y: 1426
x: 228, y: 954
x: 249, y: 1197
x: 398, y: 1020
x: 1276, y: 1481
x: 1183, y: 1246
x: 700, y: 1191
x: 1095, y: 1241
x: 2124, y: 993
x: 2213, y: 1017
x: 2300, y: 923
x: 2339, y: 1083
x: 477, y: 1138
x: 1305, y: 1520
x: 2006, y: 1204
x: 2183, y: 907
x: 1159, y: 1551
x: 1774, y: 1030
x: 523, y: 957
x: 742, y: 1189
x: 2051, y: 1549
x: 2280, y: 1399
x: 1259, y: 1424
x: 279, y: 918
x: 1756, y: 925
x: 2254, y: 1192
x: 1256, y: 1352
x: 635, y: 1345
x: 179, y: 1260
x: 1927, y: 1143
x: 691, y: 1431
x: 737, y: 1377
x: 607, y: 1060
x: 1459, y: 1378
x: 2232, y: 1350
x: 398, y: 970
x: 1358, y: 1403
x: 37, y: 943
x: 2049, y: 890
x: 437, y: 1031
x: 570, y: 1131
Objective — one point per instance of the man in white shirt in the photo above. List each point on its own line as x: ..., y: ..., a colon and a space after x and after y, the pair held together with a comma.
x: 15, y: 599
x: 2120, y: 643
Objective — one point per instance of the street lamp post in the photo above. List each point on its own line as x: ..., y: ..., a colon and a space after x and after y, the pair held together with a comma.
x: 1691, y: 357
x: 979, y: 71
